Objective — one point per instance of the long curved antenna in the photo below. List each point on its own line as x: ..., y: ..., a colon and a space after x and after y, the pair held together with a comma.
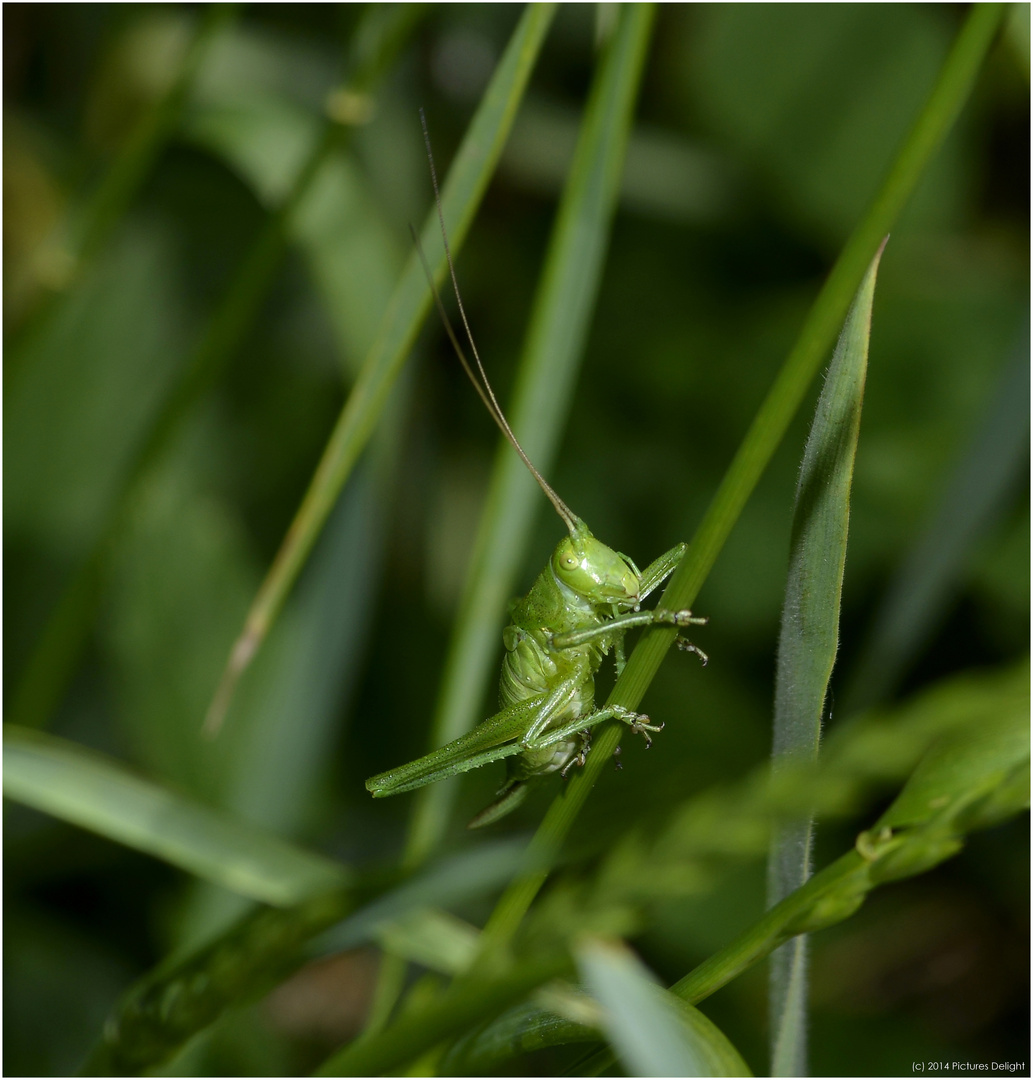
x: 482, y: 384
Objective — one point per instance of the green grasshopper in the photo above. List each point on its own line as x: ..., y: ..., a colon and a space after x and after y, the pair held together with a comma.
x: 579, y: 608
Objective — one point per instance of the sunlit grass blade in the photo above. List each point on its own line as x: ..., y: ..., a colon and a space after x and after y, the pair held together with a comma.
x: 945, y: 101
x: 547, y: 373
x: 54, y: 660
x: 808, y: 642
x: 435, y: 939
x: 84, y: 788
x: 460, y: 196
x: 647, y: 1027
x: 923, y: 585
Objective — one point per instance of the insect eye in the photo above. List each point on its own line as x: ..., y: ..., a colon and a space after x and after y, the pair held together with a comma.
x: 569, y: 561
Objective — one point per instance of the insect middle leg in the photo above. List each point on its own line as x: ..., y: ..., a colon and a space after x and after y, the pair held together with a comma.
x: 638, y: 722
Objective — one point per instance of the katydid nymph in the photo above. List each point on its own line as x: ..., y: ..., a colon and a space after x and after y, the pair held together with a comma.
x: 578, y: 610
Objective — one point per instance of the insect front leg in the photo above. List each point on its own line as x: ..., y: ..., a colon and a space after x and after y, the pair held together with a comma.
x: 656, y: 617
x: 659, y: 570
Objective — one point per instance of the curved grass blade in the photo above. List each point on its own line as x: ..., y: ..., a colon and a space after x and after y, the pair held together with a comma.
x: 547, y: 372
x: 84, y: 788
x: 807, y: 644
x: 650, y: 1029
x: 974, y: 496
x: 971, y: 779
x: 460, y: 196
x: 57, y: 653
x: 945, y: 101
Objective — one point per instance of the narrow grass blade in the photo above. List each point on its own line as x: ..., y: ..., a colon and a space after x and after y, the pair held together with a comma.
x: 432, y: 938
x: 84, y: 788
x: 460, y: 196
x: 808, y: 642
x: 648, y: 1028
x: 55, y: 657
x: 974, y: 496
x: 972, y: 779
x: 952, y: 88
x: 547, y: 373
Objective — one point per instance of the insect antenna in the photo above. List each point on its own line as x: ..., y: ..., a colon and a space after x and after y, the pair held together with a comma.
x: 481, y: 384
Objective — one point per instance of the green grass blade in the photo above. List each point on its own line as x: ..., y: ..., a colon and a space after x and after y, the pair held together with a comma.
x: 548, y: 368
x: 54, y: 660
x: 808, y: 642
x: 650, y: 1030
x: 460, y: 196
x: 84, y: 788
x: 974, y: 495
x: 973, y: 779
x: 946, y: 99
x: 860, y: 761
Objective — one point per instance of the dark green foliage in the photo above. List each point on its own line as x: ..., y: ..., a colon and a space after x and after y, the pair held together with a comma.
x: 197, y: 265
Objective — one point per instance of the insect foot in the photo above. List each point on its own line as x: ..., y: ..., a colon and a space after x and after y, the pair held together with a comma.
x: 638, y: 722
x: 581, y: 756
x: 686, y: 646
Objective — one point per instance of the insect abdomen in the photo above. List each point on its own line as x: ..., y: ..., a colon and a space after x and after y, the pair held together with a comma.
x: 527, y: 669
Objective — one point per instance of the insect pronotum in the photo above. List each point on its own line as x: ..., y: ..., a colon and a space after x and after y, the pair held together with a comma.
x: 578, y: 610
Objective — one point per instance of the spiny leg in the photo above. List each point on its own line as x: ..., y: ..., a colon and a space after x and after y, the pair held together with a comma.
x: 619, y: 659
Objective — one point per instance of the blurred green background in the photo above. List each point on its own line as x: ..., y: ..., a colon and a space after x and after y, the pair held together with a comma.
x: 761, y: 133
